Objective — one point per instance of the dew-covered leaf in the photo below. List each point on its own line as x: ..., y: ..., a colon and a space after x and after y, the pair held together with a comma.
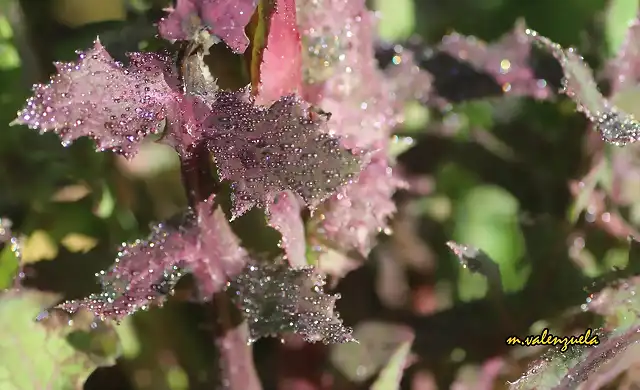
x: 226, y: 19
x: 341, y: 73
x: 277, y: 299
x: 477, y: 261
x: 277, y: 59
x: 353, y: 217
x: 579, y: 364
x: 614, y: 125
x: 146, y: 271
x: 506, y: 61
x: 57, y: 352
x: 408, y: 80
x: 378, y: 344
x: 284, y: 215
x: 100, y: 98
x: 266, y: 150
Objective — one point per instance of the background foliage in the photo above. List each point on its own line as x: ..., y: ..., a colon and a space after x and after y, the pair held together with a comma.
x: 526, y: 181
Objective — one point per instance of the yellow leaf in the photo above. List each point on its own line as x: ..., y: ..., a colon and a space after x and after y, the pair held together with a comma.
x: 39, y: 246
x: 75, y: 13
x: 76, y: 242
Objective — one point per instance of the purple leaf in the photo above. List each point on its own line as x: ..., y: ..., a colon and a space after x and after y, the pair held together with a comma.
x: 277, y: 298
x: 614, y: 125
x: 100, y: 98
x: 284, y: 216
x: 354, y: 216
x: 264, y: 151
x: 506, y: 60
x: 224, y: 18
x: 146, y: 271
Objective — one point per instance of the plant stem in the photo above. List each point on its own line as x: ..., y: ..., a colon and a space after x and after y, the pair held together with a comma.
x: 232, y: 332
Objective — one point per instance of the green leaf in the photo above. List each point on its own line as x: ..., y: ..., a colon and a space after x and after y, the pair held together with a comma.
x: 487, y: 218
x: 58, y: 352
x: 617, y: 18
x: 391, y: 374
x: 381, y: 349
x: 398, y: 20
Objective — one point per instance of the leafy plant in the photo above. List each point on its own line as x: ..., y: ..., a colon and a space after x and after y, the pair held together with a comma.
x: 287, y: 119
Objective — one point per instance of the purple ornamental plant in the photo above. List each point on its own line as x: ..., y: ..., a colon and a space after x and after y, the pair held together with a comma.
x: 307, y: 142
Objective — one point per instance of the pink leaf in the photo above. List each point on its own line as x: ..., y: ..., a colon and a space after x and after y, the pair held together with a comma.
x: 284, y: 216
x: 264, y: 151
x: 236, y: 359
x: 281, y: 67
x: 409, y: 82
x: 506, y: 61
x: 354, y: 216
x: 146, y: 271
x: 226, y: 19
x: 277, y: 298
x: 342, y: 75
x: 100, y: 98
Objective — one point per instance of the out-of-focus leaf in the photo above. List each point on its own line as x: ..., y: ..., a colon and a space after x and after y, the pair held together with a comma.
x: 479, y: 378
x: 586, y: 187
x: 39, y: 246
x: 226, y: 19
x: 619, y: 16
x: 76, y: 13
x: 238, y: 369
x: 284, y: 215
x: 398, y: 19
x: 71, y: 193
x: 53, y: 353
x: 391, y: 375
x: 614, y: 125
x: 9, y: 265
x: 76, y: 242
x: 487, y: 218
x: 475, y: 260
x: 399, y: 145
x: 380, y: 345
